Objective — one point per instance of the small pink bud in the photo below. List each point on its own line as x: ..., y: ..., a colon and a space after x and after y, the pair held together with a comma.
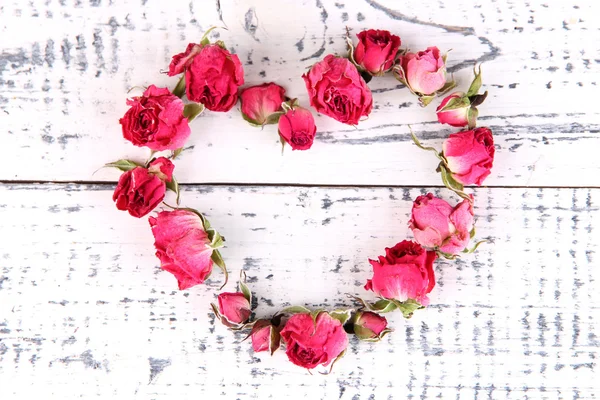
x: 454, y: 110
x: 259, y: 102
x: 370, y: 326
x: 265, y: 337
x: 234, y: 309
x: 297, y: 127
x: 163, y: 168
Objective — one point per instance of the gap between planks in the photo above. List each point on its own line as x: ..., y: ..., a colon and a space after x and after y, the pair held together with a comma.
x: 276, y: 184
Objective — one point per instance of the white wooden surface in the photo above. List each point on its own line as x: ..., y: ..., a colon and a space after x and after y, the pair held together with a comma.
x: 85, y: 311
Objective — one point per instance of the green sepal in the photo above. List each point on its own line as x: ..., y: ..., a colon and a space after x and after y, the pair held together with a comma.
x: 452, y: 184
x: 470, y: 251
x: 419, y: 145
x: 179, y: 89
x: 251, y: 121
x: 342, y: 354
x: 192, y: 110
x: 273, y: 118
x: 341, y: 315
x: 176, y: 153
x: 244, y: 288
x: 456, y: 102
x: 472, y: 117
x: 283, y: 142
x: 221, y: 44
x: 476, y: 84
x: 408, y: 307
x: 447, y: 87
x: 478, y: 99
x: 124, y: 165
x: 367, y: 335
x: 425, y: 100
x: 218, y: 260
x: 472, y: 233
x: 274, y: 340
x: 204, y: 39
x: 295, y: 310
x: 381, y: 306
x: 173, y: 185
x: 447, y: 256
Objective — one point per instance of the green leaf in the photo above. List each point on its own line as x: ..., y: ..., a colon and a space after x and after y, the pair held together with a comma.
x: 204, y: 39
x: 216, y: 240
x: 274, y: 118
x: 275, y: 340
x: 218, y: 260
x: 179, y: 89
x: 295, y: 310
x: 456, y: 102
x: 176, y: 153
x: 476, y: 84
x: 174, y: 186
x: 419, y: 145
x: 123, y: 165
x: 283, y: 143
x: 472, y: 233
x: 469, y: 251
x: 472, y: 117
x: 341, y: 315
x: 425, y: 100
x: 192, y: 110
x: 383, y: 306
x: 244, y: 288
x: 408, y: 307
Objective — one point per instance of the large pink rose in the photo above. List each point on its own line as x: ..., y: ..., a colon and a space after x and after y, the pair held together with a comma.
x: 182, y: 246
x: 140, y: 190
x: 297, y: 127
x: 470, y: 155
x: 212, y: 75
x: 405, y: 272
x: 376, y: 50
x: 235, y: 308
x: 259, y: 102
x: 424, y: 72
x: 458, y: 117
x: 438, y: 225
x: 336, y: 89
x: 310, y: 343
x: 156, y: 120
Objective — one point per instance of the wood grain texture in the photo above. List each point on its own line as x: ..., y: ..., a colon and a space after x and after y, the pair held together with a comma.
x: 85, y: 310
x: 65, y: 68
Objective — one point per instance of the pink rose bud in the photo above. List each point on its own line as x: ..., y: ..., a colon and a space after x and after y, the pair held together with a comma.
x: 182, y: 246
x: 370, y: 326
x: 212, y: 75
x: 297, y: 127
x: 311, y: 342
x: 140, y: 190
x: 265, y: 337
x: 376, y: 51
x: 438, y: 226
x: 259, y: 102
x: 458, y: 114
x: 470, y: 155
x: 234, y: 309
x: 405, y: 272
x: 156, y: 120
x: 423, y: 72
x: 336, y: 89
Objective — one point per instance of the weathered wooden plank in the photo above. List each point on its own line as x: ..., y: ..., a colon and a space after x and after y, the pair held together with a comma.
x: 85, y: 310
x: 63, y: 87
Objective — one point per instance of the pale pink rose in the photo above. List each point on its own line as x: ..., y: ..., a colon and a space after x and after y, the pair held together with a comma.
x: 470, y: 155
x: 424, y: 72
x: 405, y: 272
x: 437, y: 225
x: 234, y: 308
x: 182, y: 246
